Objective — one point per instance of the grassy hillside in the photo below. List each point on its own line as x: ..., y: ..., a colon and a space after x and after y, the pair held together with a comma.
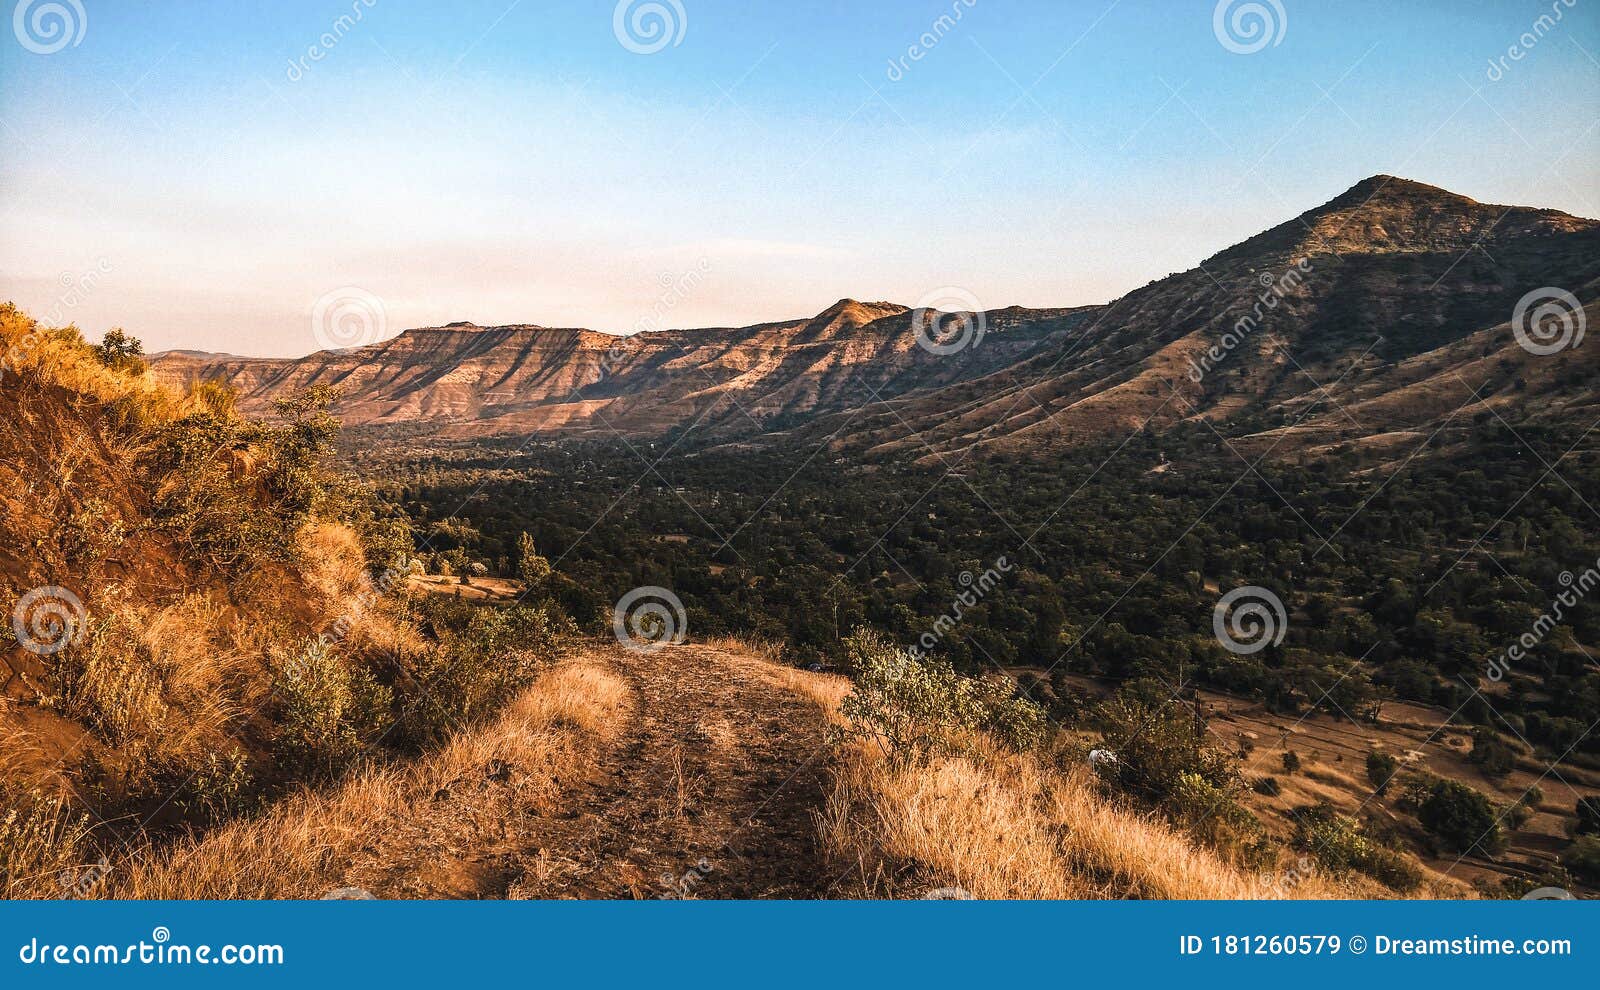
x: 205, y: 615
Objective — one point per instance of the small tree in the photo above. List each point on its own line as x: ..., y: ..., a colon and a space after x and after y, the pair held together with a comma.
x: 1589, y: 815
x: 1462, y: 818
x: 1582, y: 859
x: 1491, y: 753
x: 1381, y: 768
x: 534, y: 569
x: 118, y: 350
x: 1291, y: 761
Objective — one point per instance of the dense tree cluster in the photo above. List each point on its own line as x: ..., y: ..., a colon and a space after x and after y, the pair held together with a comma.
x: 1397, y: 583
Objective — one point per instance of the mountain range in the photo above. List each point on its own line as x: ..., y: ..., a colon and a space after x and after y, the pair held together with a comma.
x: 1371, y: 319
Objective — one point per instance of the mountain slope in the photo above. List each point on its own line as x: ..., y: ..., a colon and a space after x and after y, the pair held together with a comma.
x: 1386, y: 298
x: 472, y: 381
x: 1393, y: 290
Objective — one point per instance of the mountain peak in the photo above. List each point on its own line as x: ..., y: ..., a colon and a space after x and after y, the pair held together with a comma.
x: 1393, y: 189
x: 850, y: 314
x: 1385, y: 214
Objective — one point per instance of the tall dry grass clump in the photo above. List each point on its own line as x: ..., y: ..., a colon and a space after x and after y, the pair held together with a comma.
x: 42, y: 843
x: 320, y: 840
x: 942, y: 787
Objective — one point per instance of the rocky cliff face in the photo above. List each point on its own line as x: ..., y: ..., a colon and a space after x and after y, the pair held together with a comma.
x: 1362, y: 320
x: 465, y: 380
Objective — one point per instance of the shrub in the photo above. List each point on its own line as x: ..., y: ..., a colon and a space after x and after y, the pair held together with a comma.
x: 1582, y: 859
x: 1156, y: 743
x: 1491, y: 753
x: 234, y: 492
x: 1210, y: 810
x: 1463, y: 819
x: 1589, y: 816
x: 1291, y: 761
x: 1268, y: 786
x: 1342, y: 845
x: 531, y: 567
x: 328, y: 711
x: 1519, y: 812
x: 221, y: 788
x: 484, y: 657
x: 918, y: 704
x: 1381, y: 769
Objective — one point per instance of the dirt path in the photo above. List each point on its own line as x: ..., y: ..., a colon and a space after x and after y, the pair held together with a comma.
x: 706, y: 792
x: 713, y: 787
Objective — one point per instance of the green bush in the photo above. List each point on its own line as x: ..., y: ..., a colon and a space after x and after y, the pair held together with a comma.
x: 1342, y: 845
x: 1582, y: 859
x: 1210, y: 811
x: 221, y: 788
x: 1463, y: 819
x: 1157, y: 742
x: 484, y: 657
x: 1491, y: 753
x: 1381, y: 768
x: 329, y: 711
x: 918, y: 704
x: 1589, y: 816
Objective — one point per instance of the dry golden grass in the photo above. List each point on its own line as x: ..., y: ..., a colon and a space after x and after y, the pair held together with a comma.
x: 58, y: 356
x: 41, y: 842
x: 333, y: 566
x: 316, y: 841
x: 1002, y: 825
x: 764, y: 659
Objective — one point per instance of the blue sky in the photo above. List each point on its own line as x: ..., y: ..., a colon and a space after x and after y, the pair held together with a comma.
x: 515, y: 162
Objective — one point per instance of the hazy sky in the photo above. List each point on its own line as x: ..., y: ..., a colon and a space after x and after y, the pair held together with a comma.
x: 188, y: 171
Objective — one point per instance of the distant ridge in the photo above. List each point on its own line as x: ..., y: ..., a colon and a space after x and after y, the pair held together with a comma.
x: 1383, y: 300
